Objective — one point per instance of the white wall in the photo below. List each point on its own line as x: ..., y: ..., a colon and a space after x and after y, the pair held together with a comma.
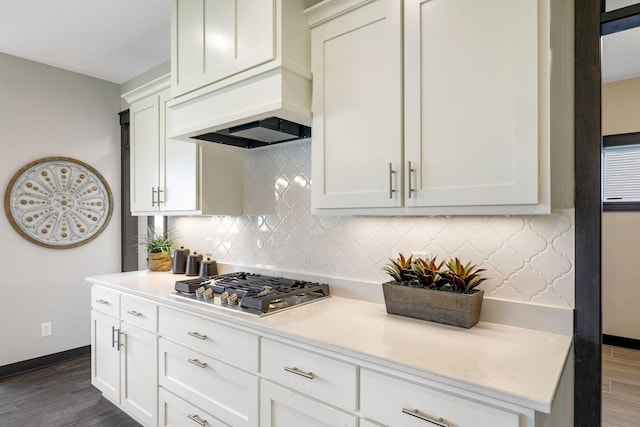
x: 621, y: 230
x: 620, y: 284
x: 45, y: 111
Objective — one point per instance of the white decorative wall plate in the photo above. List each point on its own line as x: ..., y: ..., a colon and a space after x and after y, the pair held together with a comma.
x: 58, y: 202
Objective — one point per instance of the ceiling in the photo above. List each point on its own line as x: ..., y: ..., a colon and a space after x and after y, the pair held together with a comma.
x: 116, y: 40
x: 113, y: 40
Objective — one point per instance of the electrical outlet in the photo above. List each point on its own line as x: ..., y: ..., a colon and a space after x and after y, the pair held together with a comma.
x: 45, y: 329
x: 208, y: 246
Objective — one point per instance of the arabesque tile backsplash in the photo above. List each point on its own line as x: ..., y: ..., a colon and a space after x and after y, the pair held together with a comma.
x: 528, y: 258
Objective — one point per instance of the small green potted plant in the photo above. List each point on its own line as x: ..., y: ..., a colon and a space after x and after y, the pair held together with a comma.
x: 443, y: 292
x: 158, y: 247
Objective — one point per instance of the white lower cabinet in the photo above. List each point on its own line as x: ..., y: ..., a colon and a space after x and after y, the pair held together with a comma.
x: 394, y: 402
x: 202, y: 371
x: 282, y: 407
x: 175, y: 412
x: 323, y: 377
x: 139, y: 373
x: 228, y: 392
x: 124, y: 356
x: 218, y: 340
x: 105, y: 357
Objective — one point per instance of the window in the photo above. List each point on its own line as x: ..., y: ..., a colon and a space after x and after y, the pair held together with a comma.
x: 621, y: 172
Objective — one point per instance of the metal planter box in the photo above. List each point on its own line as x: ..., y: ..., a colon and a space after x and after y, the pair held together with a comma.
x: 437, y: 306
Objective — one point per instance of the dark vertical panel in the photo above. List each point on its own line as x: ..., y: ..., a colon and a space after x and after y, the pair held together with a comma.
x: 588, y: 145
x: 129, y: 228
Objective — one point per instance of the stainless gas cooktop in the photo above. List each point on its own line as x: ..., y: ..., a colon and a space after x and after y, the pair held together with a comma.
x: 250, y: 293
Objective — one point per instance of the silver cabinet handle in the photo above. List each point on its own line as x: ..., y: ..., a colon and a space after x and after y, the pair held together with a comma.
x: 198, y: 363
x: 103, y: 302
x: 424, y: 417
x: 300, y: 372
x: 197, y: 335
x: 134, y: 313
x: 410, y: 171
x: 160, y: 191
x: 115, y: 342
x: 391, y: 172
x: 153, y: 196
x: 197, y: 419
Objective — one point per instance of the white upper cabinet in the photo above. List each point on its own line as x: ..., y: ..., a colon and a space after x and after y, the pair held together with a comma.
x: 471, y: 102
x: 163, y: 171
x: 215, y: 39
x: 442, y: 109
x: 357, y: 108
x: 173, y: 177
x: 145, y: 153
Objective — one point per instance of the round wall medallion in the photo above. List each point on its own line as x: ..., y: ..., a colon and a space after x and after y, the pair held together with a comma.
x: 58, y: 202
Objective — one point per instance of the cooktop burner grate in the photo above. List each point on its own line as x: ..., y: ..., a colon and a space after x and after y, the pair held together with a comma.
x: 252, y: 293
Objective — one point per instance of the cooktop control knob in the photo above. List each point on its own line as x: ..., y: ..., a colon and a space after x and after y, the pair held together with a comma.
x: 233, y: 299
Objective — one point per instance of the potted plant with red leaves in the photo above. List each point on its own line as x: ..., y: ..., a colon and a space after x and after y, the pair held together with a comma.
x: 443, y: 292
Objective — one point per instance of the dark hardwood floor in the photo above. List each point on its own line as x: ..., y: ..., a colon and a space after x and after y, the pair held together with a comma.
x: 57, y: 396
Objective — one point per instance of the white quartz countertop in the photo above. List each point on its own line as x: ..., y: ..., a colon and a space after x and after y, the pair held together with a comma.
x: 517, y: 365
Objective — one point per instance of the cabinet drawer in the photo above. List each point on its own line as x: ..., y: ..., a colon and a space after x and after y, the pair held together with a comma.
x: 228, y: 392
x: 212, y: 338
x: 139, y: 312
x: 105, y: 300
x: 330, y: 380
x: 281, y: 407
x: 175, y: 412
x: 396, y: 402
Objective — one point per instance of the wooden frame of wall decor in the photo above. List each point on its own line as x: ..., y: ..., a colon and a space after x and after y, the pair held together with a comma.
x: 58, y: 202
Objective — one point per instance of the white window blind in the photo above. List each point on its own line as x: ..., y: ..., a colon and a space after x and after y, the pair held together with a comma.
x: 621, y: 174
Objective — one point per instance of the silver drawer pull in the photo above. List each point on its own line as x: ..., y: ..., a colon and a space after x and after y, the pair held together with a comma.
x: 153, y: 197
x: 424, y: 417
x: 391, y: 189
x: 197, y: 335
x: 103, y: 302
x: 115, y: 341
x: 411, y: 170
x: 134, y: 313
x: 198, y: 363
x: 300, y: 372
x: 197, y: 419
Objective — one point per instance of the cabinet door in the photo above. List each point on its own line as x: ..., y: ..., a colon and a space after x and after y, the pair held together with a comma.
x: 471, y: 102
x: 138, y: 373
x: 281, y: 407
x: 214, y: 39
x: 357, y: 108
x: 145, y: 137
x: 105, y: 355
x: 178, y: 167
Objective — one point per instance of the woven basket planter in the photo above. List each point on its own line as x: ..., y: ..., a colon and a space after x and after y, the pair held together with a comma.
x: 159, y: 261
x: 437, y: 306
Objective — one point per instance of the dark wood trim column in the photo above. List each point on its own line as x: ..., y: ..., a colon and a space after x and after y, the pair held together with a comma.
x: 129, y: 228
x: 588, y: 146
